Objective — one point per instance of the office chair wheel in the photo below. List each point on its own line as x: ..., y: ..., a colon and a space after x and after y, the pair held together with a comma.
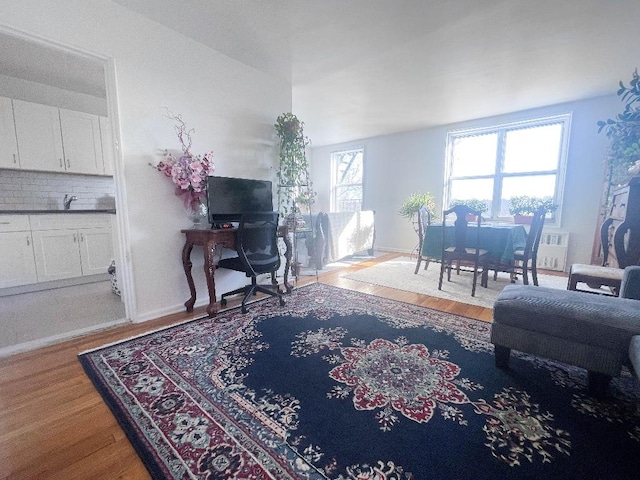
x: 282, y: 302
x: 244, y: 309
x: 223, y: 302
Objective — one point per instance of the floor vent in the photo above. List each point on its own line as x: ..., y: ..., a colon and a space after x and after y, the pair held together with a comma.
x: 552, y: 251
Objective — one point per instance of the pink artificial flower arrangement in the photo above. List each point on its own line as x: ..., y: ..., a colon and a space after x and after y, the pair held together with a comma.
x: 187, y: 172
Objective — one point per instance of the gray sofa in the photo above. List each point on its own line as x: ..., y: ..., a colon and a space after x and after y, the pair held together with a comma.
x: 595, y: 332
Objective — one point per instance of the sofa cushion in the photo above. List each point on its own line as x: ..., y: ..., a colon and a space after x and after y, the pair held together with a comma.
x: 607, y: 322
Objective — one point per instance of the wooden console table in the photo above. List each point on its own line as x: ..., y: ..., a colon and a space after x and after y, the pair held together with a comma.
x: 208, y: 239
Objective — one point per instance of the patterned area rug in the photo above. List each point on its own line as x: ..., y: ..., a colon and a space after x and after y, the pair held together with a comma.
x: 398, y: 274
x: 343, y: 385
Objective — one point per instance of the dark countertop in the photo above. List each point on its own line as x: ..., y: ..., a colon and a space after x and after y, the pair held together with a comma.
x: 37, y: 212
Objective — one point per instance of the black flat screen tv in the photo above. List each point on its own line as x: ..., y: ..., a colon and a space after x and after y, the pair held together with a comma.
x: 229, y: 197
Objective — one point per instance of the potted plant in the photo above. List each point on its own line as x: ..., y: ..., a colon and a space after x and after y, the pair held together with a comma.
x: 294, y: 185
x: 624, y: 133
x: 473, y: 203
x: 414, y: 202
x: 523, y: 207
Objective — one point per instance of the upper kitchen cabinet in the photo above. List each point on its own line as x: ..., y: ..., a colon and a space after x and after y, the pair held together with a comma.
x: 54, y: 139
x: 8, y: 144
x: 81, y: 141
x: 39, y: 137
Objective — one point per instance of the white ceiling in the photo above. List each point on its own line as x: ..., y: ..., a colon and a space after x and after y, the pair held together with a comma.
x: 362, y: 68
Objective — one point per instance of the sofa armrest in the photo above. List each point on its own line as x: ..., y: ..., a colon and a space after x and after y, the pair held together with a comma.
x: 630, y: 286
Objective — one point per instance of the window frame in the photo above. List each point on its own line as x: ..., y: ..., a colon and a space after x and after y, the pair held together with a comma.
x: 498, y: 175
x: 334, y: 173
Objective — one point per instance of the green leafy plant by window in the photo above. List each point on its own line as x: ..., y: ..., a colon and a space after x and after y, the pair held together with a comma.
x: 414, y: 202
x: 525, y: 205
x: 472, y: 203
x: 294, y: 185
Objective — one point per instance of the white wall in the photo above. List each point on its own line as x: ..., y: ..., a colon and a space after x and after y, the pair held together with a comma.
x: 401, y: 164
x: 231, y: 106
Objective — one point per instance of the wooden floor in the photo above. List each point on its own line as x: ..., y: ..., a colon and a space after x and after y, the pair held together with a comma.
x: 54, y: 424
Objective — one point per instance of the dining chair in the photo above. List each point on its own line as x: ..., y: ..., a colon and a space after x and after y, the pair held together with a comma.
x: 527, y: 258
x: 257, y: 249
x: 465, y: 247
x: 594, y: 276
x: 424, y: 220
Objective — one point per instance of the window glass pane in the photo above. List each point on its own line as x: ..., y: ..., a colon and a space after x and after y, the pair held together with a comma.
x: 349, y: 168
x: 477, y: 189
x: 474, y: 155
x: 532, y: 149
x: 349, y: 199
x: 542, y: 186
x: 347, y: 181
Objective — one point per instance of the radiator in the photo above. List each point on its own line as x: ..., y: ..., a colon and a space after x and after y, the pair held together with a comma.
x: 552, y: 251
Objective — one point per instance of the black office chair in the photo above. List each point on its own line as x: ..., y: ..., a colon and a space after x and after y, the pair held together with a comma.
x: 257, y: 247
x: 463, y: 250
x: 522, y: 258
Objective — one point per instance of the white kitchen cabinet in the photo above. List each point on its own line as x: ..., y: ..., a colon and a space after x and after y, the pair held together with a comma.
x: 39, y: 136
x: 108, y: 153
x: 8, y: 144
x: 17, y: 263
x: 96, y: 249
x: 57, y: 254
x: 81, y: 142
x: 68, y: 245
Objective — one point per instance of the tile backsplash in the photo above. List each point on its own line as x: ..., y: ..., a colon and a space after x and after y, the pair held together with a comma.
x: 24, y: 190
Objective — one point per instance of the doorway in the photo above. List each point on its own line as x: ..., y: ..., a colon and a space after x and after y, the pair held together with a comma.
x: 34, y: 70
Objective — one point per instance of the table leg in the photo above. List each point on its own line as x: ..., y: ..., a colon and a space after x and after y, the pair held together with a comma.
x: 186, y: 263
x: 287, y: 256
x: 209, y: 269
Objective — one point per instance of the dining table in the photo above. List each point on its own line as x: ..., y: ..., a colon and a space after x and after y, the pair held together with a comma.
x: 500, y: 239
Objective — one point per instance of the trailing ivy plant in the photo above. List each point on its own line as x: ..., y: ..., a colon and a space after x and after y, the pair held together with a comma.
x: 624, y: 133
x: 294, y: 185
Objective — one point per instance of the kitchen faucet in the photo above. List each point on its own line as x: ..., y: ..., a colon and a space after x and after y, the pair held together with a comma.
x: 67, y: 201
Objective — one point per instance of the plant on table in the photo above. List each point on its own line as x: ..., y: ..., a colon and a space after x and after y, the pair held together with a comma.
x: 473, y: 203
x: 526, y: 205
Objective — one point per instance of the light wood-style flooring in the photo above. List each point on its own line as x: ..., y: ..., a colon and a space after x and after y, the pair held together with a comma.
x: 54, y: 424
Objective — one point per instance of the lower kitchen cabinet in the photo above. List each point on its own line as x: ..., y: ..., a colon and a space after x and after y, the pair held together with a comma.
x: 68, y: 245
x: 17, y: 265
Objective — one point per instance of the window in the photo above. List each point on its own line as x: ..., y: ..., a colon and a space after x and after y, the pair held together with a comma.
x: 498, y: 163
x: 346, y: 180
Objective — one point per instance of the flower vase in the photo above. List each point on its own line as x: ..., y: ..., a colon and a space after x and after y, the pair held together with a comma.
x: 197, y: 212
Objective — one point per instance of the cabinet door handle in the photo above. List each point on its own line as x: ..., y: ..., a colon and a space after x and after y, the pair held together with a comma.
x: 61, y: 165
x: 28, y: 241
x: 5, y: 223
x: 75, y: 238
x: 14, y: 158
x: 68, y: 163
x: 82, y: 237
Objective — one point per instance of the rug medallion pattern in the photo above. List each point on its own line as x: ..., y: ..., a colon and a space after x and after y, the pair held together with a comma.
x: 343, y: 385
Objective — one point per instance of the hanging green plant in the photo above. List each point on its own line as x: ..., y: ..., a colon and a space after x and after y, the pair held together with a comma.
x: 624, y: 133
x: 294, y: 185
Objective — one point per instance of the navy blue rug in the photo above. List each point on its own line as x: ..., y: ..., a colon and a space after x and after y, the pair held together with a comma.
x: 343, y: 385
